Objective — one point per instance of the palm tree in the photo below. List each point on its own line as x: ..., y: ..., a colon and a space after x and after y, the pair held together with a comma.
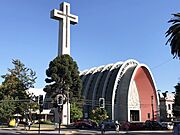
x: 174, y: 35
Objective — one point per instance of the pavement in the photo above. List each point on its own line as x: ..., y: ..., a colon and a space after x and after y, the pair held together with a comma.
x: 35, y: 130
x: 68, y: 130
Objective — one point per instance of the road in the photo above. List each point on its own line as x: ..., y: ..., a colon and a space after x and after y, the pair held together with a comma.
x: 79, y: 132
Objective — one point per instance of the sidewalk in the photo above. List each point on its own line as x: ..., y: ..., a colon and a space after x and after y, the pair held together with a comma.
x: 66, y: 130
x: 44, y: 130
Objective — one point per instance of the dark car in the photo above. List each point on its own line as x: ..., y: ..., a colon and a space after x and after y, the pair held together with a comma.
x: 109, y: 124
x: 85, y: 123
x: 153, y: 125
x: 132, y: 126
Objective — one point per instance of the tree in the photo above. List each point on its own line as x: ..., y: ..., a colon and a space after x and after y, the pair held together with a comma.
x: 76, y: 112
x: 174, y: 39
x: 176, y: 106
x: 98, y: 114
x: 7, y: 108
x: 16, y: 83
x: 63, y: 77
x: 174, y: 35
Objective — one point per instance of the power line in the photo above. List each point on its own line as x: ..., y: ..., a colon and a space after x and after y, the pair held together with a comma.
x: 161, y: 64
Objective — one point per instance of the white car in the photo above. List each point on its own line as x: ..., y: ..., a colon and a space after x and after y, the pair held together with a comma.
x: 168, y: 125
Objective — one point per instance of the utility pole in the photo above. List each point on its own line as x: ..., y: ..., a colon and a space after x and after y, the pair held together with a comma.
x: 59, y: 98
x: 152, y: 108
x: 68, y: 107
x: 59, y: 110
x: 40, y: 102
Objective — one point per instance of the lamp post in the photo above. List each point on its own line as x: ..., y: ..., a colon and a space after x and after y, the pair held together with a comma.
x: 40, y: 102
x: 152, y: 108
x: 59, y: 109
x: 68, y: 106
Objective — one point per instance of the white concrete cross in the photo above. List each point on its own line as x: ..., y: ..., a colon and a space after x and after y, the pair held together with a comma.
x: 65, y: 19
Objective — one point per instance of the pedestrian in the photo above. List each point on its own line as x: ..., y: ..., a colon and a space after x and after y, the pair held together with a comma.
x: 117, y: 125
x: 29, y: 124
x: 102, y: 128
x: 17, y: 122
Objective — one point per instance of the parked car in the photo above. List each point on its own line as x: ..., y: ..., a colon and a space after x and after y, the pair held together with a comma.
x: 153, y: 125
x: 168, y: 125
x: 176, y: 127
x: 136, y: 126
x: 132, y: 126
x: 109, y: 124
x: 85, y: 123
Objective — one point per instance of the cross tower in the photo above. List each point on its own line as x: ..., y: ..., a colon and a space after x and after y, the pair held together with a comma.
x: 65, y: 19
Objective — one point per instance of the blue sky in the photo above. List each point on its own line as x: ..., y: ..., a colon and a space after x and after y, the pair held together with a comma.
x: 107, y: 32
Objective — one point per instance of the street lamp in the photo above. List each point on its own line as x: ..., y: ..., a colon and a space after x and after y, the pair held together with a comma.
x: 152, y: 108
x: 68, y: 106
x: 40, y: 102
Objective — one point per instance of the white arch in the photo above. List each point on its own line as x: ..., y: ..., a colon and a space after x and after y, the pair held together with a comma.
x: 89, y: 72
x: 116, y: 65
x: 83, y: 72
x: 126, y: 65
x: 153, y: 81
x: 90, y: 78
x: 97, y: 82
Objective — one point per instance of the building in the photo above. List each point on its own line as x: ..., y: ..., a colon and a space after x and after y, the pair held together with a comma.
x: 47, y: 113
x: 128, y: 88
x: 166, y: 100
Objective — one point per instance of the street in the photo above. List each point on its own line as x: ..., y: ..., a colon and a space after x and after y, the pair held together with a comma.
x: 83, y: 132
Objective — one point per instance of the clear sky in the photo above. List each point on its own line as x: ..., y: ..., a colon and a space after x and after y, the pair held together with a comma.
x: 108, y: 31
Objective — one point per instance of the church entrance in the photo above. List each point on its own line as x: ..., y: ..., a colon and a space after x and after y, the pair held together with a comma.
x: 134, y: 115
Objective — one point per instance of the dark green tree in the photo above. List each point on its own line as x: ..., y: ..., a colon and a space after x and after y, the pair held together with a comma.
x: 16, y: 83
x: 1, y: 92
x: 7, y: 108
x: 174, y: 35
x: 63, y: 77
x: 176, y: 106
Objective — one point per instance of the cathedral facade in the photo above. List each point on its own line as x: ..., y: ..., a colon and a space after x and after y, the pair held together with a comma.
x: 128, y: 89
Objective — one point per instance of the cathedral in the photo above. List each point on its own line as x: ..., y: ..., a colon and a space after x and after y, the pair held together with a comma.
x: 128, y: 89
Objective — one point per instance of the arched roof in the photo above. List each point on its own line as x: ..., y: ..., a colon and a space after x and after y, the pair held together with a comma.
x: 112, y: 81
x: 107, y: 67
